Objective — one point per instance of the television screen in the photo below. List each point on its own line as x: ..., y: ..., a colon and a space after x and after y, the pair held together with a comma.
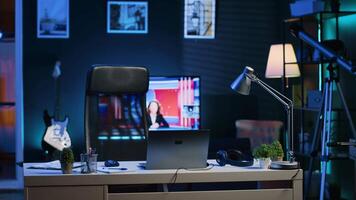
x: 173, y: 103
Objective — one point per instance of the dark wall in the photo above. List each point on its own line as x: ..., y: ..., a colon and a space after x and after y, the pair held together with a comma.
x: 244, y: 31
x: 89, y: 44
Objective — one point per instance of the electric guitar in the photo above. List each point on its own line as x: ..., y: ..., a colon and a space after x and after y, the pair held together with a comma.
x: 56, y: 134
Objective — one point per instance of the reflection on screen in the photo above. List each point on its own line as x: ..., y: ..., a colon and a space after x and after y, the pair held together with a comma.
x: 120, y: 118
x: 173, y: 103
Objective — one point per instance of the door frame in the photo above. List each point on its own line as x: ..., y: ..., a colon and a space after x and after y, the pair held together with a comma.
x: 18, y: 182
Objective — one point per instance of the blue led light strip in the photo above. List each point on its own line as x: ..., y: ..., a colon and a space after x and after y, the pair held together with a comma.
x: 135, y: 137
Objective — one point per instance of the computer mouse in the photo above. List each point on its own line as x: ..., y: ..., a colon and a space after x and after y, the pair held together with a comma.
x: 111, y: 163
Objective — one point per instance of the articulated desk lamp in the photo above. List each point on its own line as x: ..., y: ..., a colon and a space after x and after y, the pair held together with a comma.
x: 242, y: 85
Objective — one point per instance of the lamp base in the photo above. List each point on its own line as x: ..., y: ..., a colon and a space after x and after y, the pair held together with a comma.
x: 284, y: 165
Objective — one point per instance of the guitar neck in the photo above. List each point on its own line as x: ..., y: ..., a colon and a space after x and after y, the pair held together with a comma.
x: 57, y: 105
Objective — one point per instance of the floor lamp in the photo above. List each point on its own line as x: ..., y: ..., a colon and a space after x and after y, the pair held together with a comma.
x: 242, y: 85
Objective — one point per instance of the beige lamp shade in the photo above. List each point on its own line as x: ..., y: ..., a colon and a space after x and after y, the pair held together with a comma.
x: 275, y: 62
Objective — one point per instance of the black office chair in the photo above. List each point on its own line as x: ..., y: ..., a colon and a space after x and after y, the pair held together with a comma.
x: 115, y: 112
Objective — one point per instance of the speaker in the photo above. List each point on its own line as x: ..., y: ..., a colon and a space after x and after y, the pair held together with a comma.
x: 233, y: 157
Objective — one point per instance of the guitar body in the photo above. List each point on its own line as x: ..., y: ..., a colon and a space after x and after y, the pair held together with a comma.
x: 57, y: 136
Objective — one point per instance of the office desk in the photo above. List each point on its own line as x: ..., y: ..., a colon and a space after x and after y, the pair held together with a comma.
x: 50, y: 184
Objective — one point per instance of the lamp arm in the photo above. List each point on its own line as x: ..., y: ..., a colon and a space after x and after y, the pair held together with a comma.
x: 289, y: 108
x: 273, y: 92
x: 276, y: 91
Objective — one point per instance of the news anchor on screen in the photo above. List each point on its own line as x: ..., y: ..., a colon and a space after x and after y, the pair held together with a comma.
x: 155, y: 119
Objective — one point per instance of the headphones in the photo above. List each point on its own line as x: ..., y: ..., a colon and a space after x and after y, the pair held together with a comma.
x: 233, y: 157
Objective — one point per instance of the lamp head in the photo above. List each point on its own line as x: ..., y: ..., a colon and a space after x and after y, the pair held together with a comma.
x: 242, y: 84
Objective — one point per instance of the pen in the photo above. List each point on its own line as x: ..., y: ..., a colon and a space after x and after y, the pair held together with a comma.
x: 115, y: 168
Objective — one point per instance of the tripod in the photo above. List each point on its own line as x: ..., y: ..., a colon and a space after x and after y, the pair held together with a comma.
x: 325, y: 115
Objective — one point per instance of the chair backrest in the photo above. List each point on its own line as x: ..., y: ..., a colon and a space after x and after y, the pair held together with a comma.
x: 117, y: 80
x: 115, y: 113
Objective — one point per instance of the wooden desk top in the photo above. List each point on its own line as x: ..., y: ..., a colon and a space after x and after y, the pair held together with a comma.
x: 137, y: 175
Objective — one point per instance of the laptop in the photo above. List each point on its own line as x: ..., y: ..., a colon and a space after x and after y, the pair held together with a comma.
x: 178, y: 149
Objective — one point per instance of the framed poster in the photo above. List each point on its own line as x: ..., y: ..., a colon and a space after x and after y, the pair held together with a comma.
x: 127, y: 17
x: 199, y: 19
x: 53, y: 18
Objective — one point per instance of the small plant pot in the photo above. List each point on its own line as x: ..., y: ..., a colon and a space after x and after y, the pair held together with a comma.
x: 67, y: 168
x: 264, y: 163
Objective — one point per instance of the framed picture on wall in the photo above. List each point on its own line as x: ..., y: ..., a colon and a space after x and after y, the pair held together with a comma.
x: 199, y: 19
x: 53, y: 18
x: 127, y: 17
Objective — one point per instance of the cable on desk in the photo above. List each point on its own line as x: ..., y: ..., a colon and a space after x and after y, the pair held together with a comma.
x: 175, y: 176
x: 295, y: 174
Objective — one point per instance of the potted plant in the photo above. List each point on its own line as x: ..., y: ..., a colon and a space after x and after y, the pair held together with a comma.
x: 277, y: 151
x: 263, y: 155
x: 67, y: 160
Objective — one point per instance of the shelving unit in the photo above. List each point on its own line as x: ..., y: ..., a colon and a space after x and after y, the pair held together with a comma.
x: 312, y: 73
x: 10, y: 174
x: 318, y: 19
x: 320, y: 16
x: 7, y: 104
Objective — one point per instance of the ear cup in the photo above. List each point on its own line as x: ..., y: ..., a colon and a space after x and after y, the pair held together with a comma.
x: 221, y: 157
x: 237, y: 158
x: 234, y: 154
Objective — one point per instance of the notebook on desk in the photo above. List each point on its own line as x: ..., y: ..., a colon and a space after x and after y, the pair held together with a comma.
x: 180, y: 149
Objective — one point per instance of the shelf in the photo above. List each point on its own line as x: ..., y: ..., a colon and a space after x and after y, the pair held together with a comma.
x: 7, y: 40
x: 337, y: 156
x: 307, y: 109
x: 7, y: 104
x: 306, y: 63
x: 313, y: 62
x: 317, y: 109
x: 318, y: 15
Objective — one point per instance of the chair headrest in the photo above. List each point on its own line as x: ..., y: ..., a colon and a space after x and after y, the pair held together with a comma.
x: 117, y: 80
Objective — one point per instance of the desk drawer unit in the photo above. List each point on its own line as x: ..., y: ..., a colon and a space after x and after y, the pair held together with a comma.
x: 223, y: 183
x: 284, y: 194
x: 65, y: 193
